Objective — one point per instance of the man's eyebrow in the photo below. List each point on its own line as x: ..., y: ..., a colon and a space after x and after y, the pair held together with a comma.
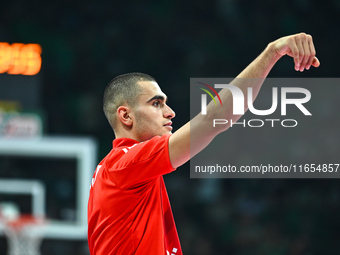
x: 157, y: 97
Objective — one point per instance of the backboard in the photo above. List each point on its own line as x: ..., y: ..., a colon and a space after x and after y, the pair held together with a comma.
x: 63, y: 167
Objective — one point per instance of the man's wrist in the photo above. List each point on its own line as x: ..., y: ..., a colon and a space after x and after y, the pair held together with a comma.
x: 270, y: 54
x: 264, y: 62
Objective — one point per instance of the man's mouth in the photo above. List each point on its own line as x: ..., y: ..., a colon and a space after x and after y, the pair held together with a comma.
x: 168, y: 125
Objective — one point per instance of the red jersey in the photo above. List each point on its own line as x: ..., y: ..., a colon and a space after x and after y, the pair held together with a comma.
x: 129, y: 210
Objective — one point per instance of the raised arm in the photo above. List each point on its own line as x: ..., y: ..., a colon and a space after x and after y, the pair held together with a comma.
x: 195, y: 135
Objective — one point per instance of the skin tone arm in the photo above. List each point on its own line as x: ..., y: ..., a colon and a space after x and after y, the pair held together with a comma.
x: 195, y: 135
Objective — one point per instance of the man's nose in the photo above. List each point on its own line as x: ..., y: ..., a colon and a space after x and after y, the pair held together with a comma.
x: 168, y: 112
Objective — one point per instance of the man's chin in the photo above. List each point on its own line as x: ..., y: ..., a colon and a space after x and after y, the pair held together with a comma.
x: 169, y: 128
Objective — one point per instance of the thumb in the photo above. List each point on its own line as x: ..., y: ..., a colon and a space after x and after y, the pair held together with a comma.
x: 316, y: 62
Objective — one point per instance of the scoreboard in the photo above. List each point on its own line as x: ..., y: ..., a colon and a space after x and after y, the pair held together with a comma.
x: 20, y: 86
x: 19, y: 58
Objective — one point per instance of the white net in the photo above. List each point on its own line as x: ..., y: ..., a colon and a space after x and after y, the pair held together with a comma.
x: 24, y: 236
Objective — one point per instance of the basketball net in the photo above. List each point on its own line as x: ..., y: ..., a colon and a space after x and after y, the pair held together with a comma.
x: 24, y: 235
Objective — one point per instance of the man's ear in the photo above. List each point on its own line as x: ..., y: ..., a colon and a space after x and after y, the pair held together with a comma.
x: 123, y: 113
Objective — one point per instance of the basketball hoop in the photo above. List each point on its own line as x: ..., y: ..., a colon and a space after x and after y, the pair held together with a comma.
x: 24, y: 235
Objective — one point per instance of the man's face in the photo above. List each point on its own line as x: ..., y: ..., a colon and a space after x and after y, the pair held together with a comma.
x: 152, y: 116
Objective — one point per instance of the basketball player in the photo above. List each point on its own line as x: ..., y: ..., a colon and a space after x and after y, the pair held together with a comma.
x: 129, y: 210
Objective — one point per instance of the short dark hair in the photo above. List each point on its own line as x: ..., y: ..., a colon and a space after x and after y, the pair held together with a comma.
x: 120, y: 90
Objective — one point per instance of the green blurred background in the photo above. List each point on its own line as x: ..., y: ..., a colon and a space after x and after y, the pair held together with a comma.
x: 87, y: 43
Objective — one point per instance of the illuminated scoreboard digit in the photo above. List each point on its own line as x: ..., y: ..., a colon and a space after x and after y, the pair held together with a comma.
x: 19, y: 58
x: 20, y: 75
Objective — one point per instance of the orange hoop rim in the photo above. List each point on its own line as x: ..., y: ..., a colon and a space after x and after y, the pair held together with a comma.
x: 24, y: 220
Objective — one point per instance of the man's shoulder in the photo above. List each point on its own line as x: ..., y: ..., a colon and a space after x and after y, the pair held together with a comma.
x: 131, y: 151
x: 126, y: 144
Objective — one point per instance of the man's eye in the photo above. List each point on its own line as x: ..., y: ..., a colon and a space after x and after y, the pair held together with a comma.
x: 156, y: 103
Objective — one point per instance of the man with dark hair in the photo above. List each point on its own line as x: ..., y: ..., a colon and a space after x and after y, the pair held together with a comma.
x: 129, y: 211
x: 122, y: 89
